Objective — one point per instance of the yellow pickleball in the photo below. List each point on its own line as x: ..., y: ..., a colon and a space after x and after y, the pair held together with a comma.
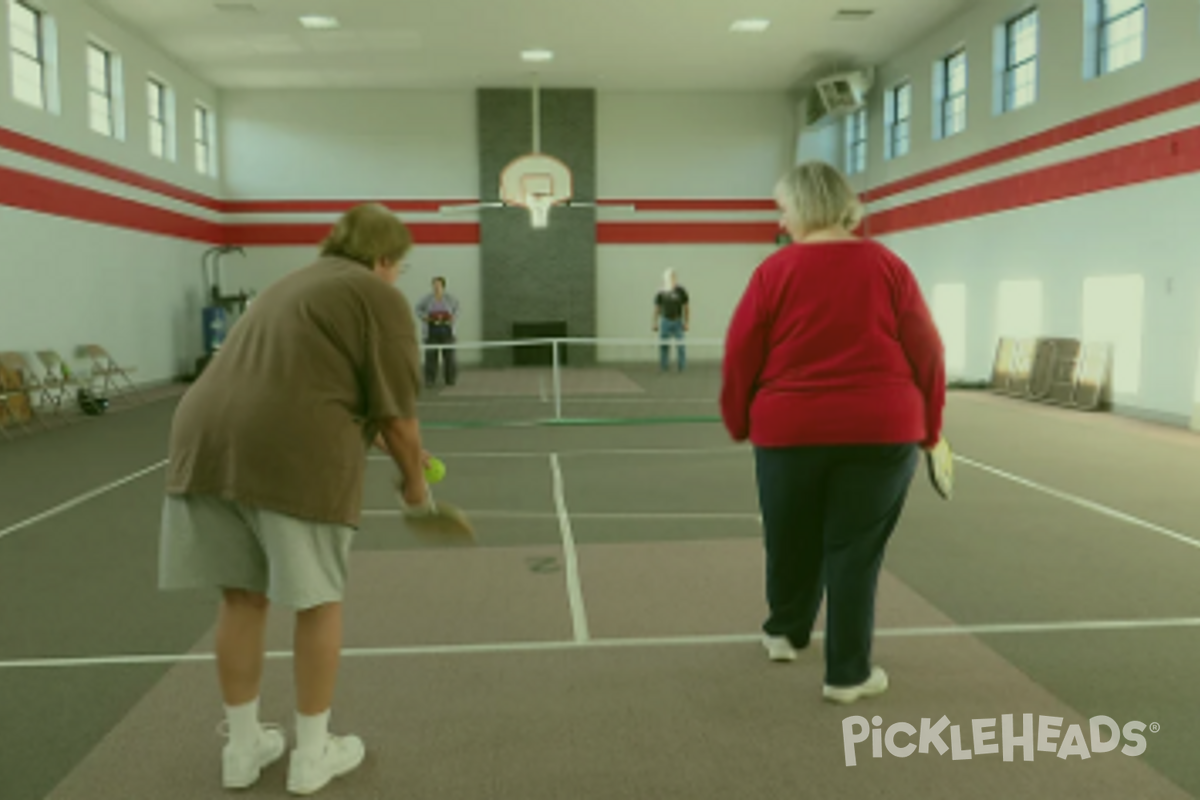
x: 435, y: 471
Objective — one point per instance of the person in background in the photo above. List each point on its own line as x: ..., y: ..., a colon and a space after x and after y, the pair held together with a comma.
x: 267, y: 457
x: 834, y: 370
x: 438, y: 312
x: 672, y: 314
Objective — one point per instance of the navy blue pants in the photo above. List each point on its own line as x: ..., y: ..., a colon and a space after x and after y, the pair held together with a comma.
x: 827, y: 515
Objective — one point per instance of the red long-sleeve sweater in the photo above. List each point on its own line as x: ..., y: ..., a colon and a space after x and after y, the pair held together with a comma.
x: 832, y: 343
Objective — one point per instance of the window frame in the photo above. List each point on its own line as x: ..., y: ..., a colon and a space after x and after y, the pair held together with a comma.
x: 1010, y: 68
x: 40, y: 59
x: 948, y: 98
x: 111, y: 72
x: 1104, y: 22
x: 893, y: 122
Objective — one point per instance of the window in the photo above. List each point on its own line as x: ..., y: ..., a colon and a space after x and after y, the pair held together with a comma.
x: 1120, y: 34
x: 1112, y: 314
x: 856, y: 142
x: 1019, y: 310
x: 102, y: 106
x: 161, y: 105
x: 950, y: 95
x: 1020, y: 61
x: 897, y: 110
x: 204, y: 134
x: 950, y: 316
x: 27, y: 36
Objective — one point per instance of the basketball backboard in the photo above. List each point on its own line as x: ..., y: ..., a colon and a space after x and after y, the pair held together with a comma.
x: 536, y: 182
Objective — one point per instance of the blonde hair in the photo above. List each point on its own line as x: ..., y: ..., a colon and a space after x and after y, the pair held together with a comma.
x: 368, y: 233
x: 816, y: 196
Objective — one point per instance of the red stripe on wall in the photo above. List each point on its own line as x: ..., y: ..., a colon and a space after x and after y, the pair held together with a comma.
x: 36, y: 193
x: 26, y: 145
x: 1167, y: 156
x: 284, y: 234
x: 1153, y: 105
x: 694, y: 205
x: 686, y: 232
x: 332, y: 206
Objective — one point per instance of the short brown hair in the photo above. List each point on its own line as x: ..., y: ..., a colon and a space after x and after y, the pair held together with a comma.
x: 367, y: 234
x: 818, y: 197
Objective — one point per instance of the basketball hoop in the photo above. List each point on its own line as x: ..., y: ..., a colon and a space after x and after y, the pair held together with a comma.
x: 539, y: 209
x: 536, y: 182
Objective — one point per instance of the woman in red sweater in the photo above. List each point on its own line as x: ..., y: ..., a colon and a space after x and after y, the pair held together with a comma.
x: 834, y: 371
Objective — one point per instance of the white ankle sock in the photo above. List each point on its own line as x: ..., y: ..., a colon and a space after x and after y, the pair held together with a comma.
x: 312, y: 732
x: 244, y: 729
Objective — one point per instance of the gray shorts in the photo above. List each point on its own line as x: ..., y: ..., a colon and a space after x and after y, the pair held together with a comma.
x: 208, y: 542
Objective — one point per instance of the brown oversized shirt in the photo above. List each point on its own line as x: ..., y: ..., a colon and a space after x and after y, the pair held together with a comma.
x: 282, y: 416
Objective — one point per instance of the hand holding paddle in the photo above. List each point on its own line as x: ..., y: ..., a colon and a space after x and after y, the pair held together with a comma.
x: 939, y: 460
x: 438, y: 522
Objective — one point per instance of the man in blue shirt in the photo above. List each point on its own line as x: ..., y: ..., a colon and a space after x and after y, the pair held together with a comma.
x: 438, y: 312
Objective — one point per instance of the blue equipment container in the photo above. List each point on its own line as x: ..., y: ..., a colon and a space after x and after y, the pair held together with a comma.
x: 216, y: 324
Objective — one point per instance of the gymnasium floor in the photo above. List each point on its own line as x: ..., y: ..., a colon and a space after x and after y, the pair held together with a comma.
x: 601, y: 643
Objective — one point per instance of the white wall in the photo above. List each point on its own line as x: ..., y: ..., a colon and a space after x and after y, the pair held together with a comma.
x: 1146, y: 228
x: 413, y: 145
x: 349, y: 144
x: 688, y: 147
x: 67, y: 283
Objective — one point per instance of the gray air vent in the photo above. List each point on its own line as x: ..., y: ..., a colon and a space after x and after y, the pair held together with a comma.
x: 853, y: 14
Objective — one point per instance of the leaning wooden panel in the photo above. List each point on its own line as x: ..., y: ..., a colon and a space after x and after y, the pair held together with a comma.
x: 1063, y: 382
x: 1024, y: 351
x: 1002, y: 365
x: 1093, y: 383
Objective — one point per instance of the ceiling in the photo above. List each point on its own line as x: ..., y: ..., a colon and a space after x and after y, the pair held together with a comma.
x: 616, y: 45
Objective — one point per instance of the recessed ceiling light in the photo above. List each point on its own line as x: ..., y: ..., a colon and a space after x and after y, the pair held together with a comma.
x: 537, y: 55
x: 750, y: 25
x: 319, y: 23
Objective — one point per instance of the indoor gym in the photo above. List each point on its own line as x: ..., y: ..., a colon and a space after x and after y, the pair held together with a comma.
x: 602, y: 640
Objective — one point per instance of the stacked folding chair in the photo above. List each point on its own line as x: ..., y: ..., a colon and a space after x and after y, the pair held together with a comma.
x: 109, y: 373
x: 58, y: 384
x: 15, y: 403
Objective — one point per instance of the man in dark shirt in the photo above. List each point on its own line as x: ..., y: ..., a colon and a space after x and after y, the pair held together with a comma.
x: 671, y: 319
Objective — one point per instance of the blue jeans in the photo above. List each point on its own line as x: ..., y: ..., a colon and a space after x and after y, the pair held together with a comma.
x: 671, y: 329
x: 828, y: 513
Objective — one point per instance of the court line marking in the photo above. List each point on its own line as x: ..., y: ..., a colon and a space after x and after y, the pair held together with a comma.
x: 579, y: 622
x: 80, y: 500
x: 598, y: 515
x: 616, y: 451
x: 617, y: 643
x: 1090, y: 505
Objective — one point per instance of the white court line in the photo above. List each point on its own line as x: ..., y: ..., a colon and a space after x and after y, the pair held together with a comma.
x: 595, y: 515
x: 643, y: 642
x: 1082, y: 502
x: 80, y: 500
x: 614, y: 451
x: 579, y: 621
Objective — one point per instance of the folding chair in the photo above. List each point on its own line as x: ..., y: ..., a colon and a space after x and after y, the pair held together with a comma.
x: 58, y: 383
x: 106, y: 369
x: 14, y: 397
x: 32, y: 386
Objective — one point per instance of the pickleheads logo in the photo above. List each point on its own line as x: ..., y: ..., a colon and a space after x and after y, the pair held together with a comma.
x: 902, y: 739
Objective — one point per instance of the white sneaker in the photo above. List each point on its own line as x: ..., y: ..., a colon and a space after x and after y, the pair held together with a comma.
x: 241, y: 768
x: 312, y: 772
x: 779, y: 648
x: 874, y: 685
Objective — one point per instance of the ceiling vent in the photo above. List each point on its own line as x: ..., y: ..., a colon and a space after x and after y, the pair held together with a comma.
x: 853, y: 14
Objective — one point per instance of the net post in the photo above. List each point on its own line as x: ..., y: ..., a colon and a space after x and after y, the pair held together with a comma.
x: 556, y: 380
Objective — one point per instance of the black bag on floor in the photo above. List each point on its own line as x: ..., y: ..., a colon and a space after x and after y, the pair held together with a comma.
x: 91, y: 404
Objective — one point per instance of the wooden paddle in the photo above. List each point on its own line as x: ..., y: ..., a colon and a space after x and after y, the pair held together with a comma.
x: 940, y: 463
x: 437, y: 522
